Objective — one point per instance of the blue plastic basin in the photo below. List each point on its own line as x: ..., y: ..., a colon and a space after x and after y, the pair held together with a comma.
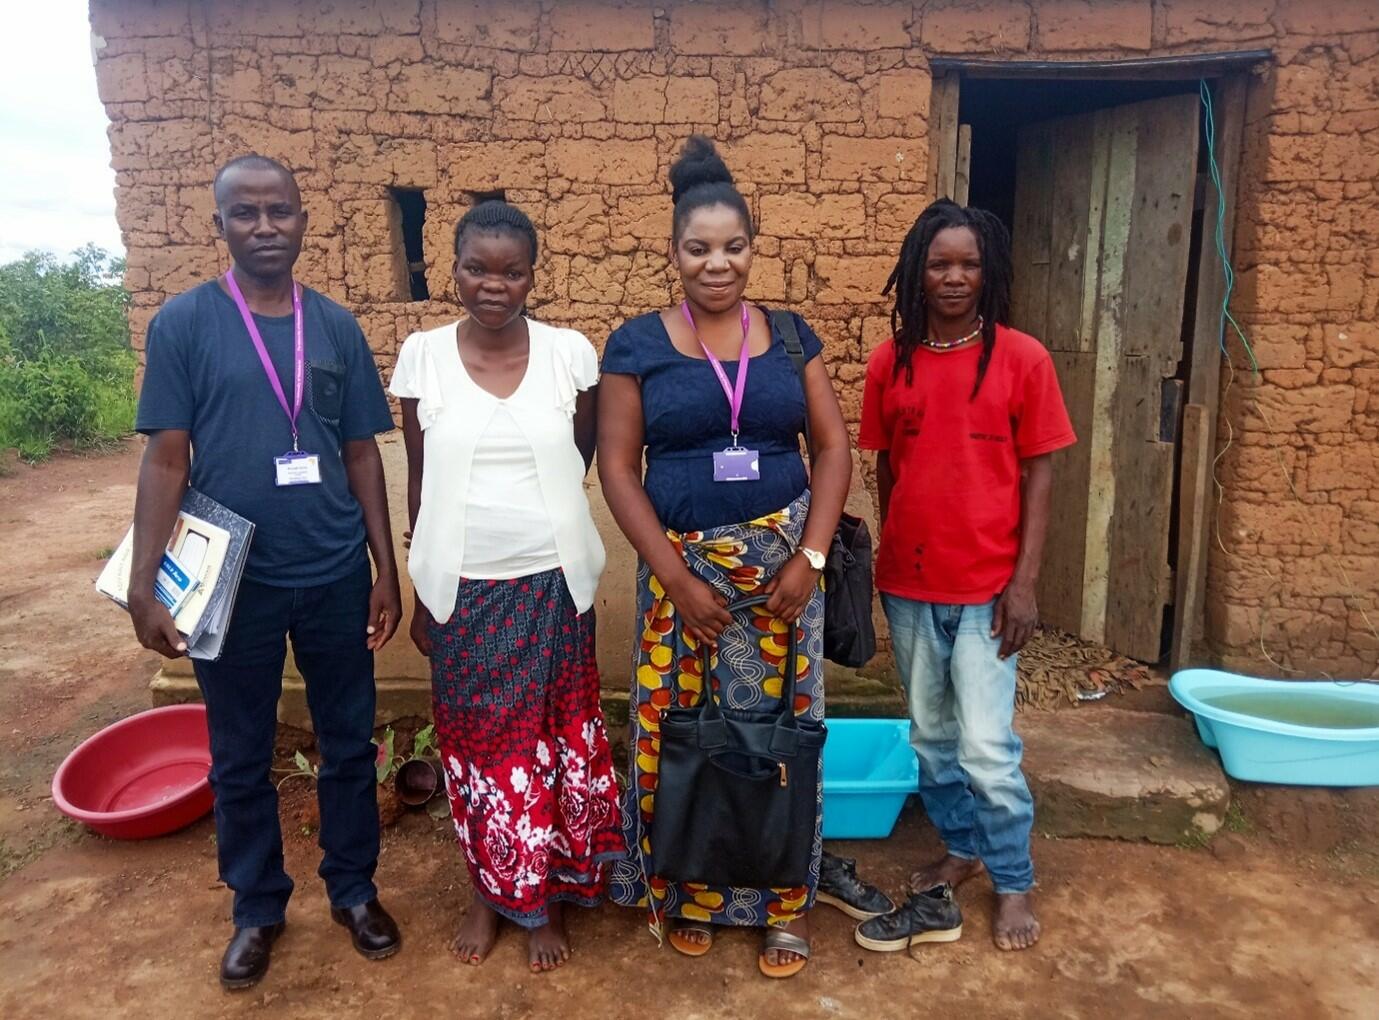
x: 1285, y: 731
x: 869, y: 770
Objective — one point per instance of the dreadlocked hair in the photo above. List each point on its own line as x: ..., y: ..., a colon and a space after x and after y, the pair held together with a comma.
x: 698, y: 179
x: 496, y: 216
x: 909, y: 322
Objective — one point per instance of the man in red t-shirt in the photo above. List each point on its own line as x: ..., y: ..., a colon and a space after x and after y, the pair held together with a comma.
x: 964, y: 413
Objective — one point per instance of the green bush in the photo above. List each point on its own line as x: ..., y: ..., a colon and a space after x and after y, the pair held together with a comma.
x: 66, y: 368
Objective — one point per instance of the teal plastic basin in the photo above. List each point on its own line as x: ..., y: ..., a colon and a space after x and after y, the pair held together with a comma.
x: 1285, y: 731
x: 869, y: 770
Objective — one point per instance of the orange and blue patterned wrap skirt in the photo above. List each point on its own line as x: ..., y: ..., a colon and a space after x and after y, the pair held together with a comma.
x: 735, y: 560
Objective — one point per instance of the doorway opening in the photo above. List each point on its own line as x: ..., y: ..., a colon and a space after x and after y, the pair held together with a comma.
x: 1102, y: 179
x: 997, y: 108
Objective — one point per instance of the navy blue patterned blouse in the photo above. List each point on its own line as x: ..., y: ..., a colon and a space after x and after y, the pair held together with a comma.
x: 688, y: 420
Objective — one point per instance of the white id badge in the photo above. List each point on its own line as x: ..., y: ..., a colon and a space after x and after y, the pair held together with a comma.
x: 298, y: 468
x: 736, y: 464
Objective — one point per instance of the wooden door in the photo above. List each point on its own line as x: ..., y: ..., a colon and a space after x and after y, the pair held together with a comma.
x: 1103, y: 222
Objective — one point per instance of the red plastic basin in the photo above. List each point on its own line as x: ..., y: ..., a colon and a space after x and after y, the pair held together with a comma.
x: 140, y: 777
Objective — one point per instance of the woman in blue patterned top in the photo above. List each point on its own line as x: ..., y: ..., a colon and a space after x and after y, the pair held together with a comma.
x: 727, y: 509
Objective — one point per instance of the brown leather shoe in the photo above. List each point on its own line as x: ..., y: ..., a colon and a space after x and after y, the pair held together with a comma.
x: 246, y: 957
x: 373, y: 932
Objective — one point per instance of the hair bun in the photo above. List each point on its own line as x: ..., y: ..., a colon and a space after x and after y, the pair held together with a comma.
x: 698, y: 163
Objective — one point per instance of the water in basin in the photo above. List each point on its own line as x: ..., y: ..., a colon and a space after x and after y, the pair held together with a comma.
x: 1300, y: 707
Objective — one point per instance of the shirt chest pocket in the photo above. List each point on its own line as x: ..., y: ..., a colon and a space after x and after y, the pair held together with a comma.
x: 326, y: 385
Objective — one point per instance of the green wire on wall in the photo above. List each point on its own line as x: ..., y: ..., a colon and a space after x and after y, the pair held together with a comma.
x: 1220, y: 239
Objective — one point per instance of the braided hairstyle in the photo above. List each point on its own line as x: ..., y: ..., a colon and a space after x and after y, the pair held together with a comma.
x: 496, y: 216
x: 909, y: 321
x: 698, y: 179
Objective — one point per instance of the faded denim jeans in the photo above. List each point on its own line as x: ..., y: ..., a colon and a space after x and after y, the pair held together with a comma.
x: 962, y: 708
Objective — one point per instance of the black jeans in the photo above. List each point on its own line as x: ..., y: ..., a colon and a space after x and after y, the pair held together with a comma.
x: 327, y: 626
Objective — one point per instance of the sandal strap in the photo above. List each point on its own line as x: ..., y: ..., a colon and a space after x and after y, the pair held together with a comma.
x: 694, y: 926
x: 787, y: 942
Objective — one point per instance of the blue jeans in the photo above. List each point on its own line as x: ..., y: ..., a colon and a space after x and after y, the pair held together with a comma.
x: 241, y: 689
x: 962, y: 708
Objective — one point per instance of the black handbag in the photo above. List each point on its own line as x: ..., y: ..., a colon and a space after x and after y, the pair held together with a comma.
x: 737, y: 793
x: 849, y: 634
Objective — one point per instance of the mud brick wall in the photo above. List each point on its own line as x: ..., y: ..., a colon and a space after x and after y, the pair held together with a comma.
x: 576, y: 110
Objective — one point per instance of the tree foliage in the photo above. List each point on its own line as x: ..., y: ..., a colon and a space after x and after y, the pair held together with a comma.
x: 66, y: 367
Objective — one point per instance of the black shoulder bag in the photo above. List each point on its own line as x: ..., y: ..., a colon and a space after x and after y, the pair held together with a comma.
x: 737, y: 793
x: 849, y: 635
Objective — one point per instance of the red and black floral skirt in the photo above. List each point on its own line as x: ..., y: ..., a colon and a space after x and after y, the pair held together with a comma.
x: 528, y: 770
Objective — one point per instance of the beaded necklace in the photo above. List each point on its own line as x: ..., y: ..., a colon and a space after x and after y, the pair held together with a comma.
x: 943, y: 345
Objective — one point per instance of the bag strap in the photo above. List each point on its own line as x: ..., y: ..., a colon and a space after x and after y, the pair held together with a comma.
x: 787, y: 691
x: 784, y: 322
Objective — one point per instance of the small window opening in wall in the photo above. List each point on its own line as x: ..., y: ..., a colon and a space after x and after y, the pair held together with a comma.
x: 498, y: 195
x: 411, y: 203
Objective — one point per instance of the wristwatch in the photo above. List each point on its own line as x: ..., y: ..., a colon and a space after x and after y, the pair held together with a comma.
x: 815, y: 558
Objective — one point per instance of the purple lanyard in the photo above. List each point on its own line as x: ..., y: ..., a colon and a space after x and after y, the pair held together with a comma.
x: 298, y: 351
x: 734, y: 391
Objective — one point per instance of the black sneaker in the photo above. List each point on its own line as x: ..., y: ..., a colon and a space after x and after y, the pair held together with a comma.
x: 929, y: 916
x: 840, y: 887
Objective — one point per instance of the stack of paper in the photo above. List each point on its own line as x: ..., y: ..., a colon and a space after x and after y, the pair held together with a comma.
x: 200, y: 574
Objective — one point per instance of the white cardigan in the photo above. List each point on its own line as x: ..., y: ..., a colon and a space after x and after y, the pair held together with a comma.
x: 454, y: 411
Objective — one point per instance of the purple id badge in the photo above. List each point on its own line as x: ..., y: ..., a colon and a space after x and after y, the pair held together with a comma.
x: 736, y: 464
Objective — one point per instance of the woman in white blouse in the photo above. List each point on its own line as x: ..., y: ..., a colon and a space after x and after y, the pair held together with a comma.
x: 498, y: 416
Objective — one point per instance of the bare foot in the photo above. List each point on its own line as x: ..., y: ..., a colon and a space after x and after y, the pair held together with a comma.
x: 478, y: 932
x: 547, y: 946
x: 781, y: 957
x: 1015, y: 926
x: 951, y: 870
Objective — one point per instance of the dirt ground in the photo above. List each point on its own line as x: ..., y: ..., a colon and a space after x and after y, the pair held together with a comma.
x: 1256, y: 925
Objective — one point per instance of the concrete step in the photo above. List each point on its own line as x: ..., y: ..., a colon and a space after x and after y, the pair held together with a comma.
x: 849, y: 694
x: 397, y: 698
x: 1122, y: 774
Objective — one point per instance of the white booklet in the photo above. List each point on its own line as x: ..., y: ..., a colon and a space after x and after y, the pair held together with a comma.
x: 203, y: 565
x: 175, y: 583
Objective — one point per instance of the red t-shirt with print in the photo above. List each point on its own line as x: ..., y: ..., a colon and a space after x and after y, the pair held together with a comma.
x: 952, y: 530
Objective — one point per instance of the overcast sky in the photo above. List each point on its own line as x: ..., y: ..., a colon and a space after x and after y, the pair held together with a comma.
x: 56, y: 185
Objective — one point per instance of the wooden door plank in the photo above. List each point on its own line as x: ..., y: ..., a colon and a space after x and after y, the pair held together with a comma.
x: 963, y: 173
x: 1060, y: 579
x: 1079, y: 192
x: 1148, y: 333
x: 1161, y: 226
x: 1121, y: 141
x: 1094, y: 225
x: 1193, y: 477
x: 1139, y: 574
x: 943, y: 142
x: 948, y: 137
x: 938, y: 87
x: 1204, y: 374
x: 1031, y: 235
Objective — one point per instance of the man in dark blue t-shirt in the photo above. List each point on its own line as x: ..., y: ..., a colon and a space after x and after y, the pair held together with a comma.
x: 264, y: 396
